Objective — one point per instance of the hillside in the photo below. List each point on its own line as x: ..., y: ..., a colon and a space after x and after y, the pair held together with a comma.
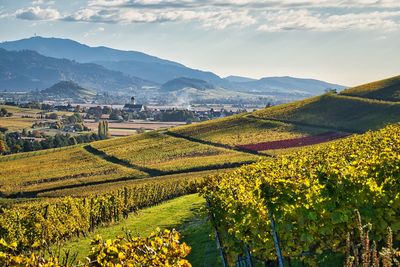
x: 190, y: 149
x: 68, y: 89
x: 183, y: 82
x: 28, y: 70
x: 339, y: 112
x: 387, y: 89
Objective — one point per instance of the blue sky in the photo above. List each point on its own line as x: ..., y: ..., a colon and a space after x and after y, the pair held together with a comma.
x: 343, y: 41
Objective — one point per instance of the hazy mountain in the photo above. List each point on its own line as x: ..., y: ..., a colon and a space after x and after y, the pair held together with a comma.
x: 132, y: 63
x: 161, y: 73
x: 238, y: 79
x: 66, y: 48
x: 123, y: 69
x: 183, y: 82
x: 286, y: 85
x: 68, y: 89
x: 28, y: 70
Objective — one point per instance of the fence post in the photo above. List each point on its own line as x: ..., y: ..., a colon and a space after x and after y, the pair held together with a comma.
x: 125, y: 213
x: 276, y: 239
x: 217, y: 237
x: 248, y: 256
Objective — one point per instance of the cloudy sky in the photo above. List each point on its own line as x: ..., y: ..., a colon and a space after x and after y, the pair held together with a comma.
x: 342, y: 41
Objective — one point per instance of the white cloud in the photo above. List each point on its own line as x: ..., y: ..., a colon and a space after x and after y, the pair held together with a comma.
x: 287, y: 20
x: 264, y: 15
x: 208, y: 18
x: 37, y: 13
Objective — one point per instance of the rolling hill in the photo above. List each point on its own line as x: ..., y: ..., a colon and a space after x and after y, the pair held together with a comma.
x: 68, y: 89
x: 387, y: 89
x: 284, y: 84
x: 182, y: 83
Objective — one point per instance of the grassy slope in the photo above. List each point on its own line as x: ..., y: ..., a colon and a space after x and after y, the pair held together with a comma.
x: 182, y: 213
x: 337, y: 111
x: 387, y: 89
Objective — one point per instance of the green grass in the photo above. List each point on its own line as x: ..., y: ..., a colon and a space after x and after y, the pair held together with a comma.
x: 387, y: 89
x: 183, y: 213
x: 336, y: 111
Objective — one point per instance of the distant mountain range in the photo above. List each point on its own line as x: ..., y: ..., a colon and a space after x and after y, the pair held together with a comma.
x: 107, y: 69
x: 129, y: 62
x: 284, y: 84
x: 28, y: 70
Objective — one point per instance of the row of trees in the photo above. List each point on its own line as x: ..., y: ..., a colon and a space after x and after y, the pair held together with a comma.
x: 11, y: 143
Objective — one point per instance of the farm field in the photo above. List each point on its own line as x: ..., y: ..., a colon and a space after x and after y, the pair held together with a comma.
x: 16, y: 123
x: 165, y: 153
x: 24, y: 118
x: 295, y: 142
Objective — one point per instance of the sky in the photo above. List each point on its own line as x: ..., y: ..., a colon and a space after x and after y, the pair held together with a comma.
x: 348, y: 42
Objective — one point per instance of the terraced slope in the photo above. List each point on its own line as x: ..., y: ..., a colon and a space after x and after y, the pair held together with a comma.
x: 167, y: 154
x: 387, y: 89
x: 59, y: 169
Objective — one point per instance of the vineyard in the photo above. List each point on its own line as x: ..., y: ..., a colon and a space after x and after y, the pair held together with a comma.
x: 242, y: 129
x: 169, y: 154
x: 160, y: 248
x: 47, y: 171
x: 312, y: 166
x: 310, y: 196
x: 44, y: 222
x: 100, y: 189
x: 295, y: 142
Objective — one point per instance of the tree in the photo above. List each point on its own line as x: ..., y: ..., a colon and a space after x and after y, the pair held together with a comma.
x: 3, y: 147
x: 107, y: 110
x: 3, y: 112
x: 52, y: 116
x: 72, y: 141
x: 103, y: 129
